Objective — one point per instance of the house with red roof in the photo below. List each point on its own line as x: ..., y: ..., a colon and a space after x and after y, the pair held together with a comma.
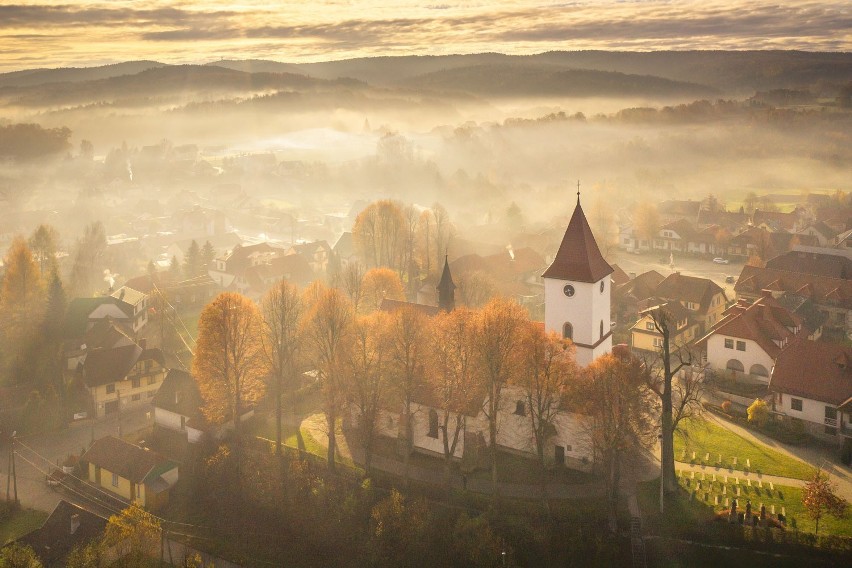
x: 750, y: 336
x: 812, y: 383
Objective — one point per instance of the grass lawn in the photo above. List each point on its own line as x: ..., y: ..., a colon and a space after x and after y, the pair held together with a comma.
x: 20, y: 523
x: 788, y: 498
x: 704, y: 437
x: 302, y: 439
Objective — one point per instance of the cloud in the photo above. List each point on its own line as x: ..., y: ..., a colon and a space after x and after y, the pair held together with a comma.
x: 174, y: 31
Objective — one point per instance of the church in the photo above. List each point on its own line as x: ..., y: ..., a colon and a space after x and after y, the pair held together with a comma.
x: 577, y: 291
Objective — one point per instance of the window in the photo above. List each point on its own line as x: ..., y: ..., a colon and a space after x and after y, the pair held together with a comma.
x: 115, y: 480
x: 520, y: 408
x: 658, y: 342
x: 740, y: 345
x: 735, y: 365
x: 831, y: 413
x: 601, y: 329
x: 136, y: 397
x: 603, y: 287
x: 136, y: 383
x: 110, y: 388
x: 796, y: 404
x: 567, y: 331
x: 729, y: 344
x: 433, y: 424
x: 758, y: 370
x: 649, y: 325
x: 183, y: 422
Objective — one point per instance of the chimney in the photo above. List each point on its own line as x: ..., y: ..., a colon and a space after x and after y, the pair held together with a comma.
x: 766, y: 293
x: 75, y: 522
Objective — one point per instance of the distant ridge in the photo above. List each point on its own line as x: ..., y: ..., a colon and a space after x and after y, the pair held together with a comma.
x: 31, y: 77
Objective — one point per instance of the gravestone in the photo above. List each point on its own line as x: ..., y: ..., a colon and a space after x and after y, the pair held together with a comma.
x: 735, y: 460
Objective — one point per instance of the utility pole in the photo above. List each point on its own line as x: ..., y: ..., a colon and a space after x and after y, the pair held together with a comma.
x: 12, y: 477
x: 118, y: 394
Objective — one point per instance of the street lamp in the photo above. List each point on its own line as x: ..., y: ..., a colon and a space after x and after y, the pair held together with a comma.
x: 662, y: 470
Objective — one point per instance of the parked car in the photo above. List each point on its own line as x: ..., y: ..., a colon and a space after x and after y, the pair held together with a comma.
x: 719, y: 260
x: 730, y: 279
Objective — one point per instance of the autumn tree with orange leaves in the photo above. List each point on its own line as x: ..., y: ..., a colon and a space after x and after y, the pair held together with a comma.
x: 380, y: 283
x: 409, y: 332
x: 22, y: 304
x: 369, y: 376
x: 546, y: 371
x: 229, y: 364
x: 616, y: 406
x: 496, y: 341
x: 820, y: 498
x: 282, y: 314
x: 328, y: 338
x: 379, y: 234
x: 453, y: 378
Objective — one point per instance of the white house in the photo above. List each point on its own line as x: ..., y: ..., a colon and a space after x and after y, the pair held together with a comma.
x: 746, y: 341
x: 577, y: 291
x: 812, y: 382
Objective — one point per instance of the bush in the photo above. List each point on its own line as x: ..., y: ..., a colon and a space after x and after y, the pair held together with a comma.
x: 758, y: 412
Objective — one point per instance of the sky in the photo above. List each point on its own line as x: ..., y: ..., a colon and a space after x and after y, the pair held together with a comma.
x: 57, y: 34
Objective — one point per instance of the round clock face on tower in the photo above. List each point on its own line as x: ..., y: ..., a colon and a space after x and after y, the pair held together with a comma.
x: 568, y: 290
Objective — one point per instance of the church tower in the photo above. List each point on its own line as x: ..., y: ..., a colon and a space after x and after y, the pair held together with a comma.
x: 446, y: 289
x: 577, y: 291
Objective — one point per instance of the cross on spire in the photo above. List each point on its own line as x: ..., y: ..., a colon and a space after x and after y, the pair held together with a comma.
x: 578, y: 192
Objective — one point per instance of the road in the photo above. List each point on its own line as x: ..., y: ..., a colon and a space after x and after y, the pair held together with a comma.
x: 688, y: 265
x: 38, y: 453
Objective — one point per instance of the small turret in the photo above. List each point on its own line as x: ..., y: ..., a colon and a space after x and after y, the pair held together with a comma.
x: 446, y: 289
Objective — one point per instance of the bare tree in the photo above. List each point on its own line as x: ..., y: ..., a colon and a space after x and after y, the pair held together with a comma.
x: 671, y: 359
x: 353, y: 283
x: 282, y: 313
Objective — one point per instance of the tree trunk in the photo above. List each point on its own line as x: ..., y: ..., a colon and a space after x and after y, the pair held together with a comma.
x: 409, y: 435
x: 667, y: 444
x: 331, y: 418
x: 368, y: 451
x: 612, y: 491
x: 278, y: 414
x: 492, y: 439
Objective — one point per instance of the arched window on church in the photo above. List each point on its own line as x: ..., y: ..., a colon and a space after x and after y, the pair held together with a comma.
x: 567, y: 331
x: 601, y: 329
x: 433, y: 424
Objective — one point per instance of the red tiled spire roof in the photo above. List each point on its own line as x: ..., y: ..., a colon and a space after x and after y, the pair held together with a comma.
x: 579, y: 258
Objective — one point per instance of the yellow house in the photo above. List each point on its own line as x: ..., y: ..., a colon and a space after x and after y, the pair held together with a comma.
x: 683, y: 328
x: 702, y: 297
x: 130, y: 472
x: 128, y: 376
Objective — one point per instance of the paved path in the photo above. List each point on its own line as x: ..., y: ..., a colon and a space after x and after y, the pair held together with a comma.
x: 38, y: 453
x: 814, y: 454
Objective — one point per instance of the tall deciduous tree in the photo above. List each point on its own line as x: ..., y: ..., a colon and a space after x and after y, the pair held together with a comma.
x: 496, y: 341
x: 328, y: 335
x: 369, y: 376
x: 138, y: 531
x: 546, y: 370
x: 282, y: 314
x: 381, y: 283
x: 408, y: 340
x: 229, y: 363
x: 616, y: 407
x: 820, y: 498
x: 453, y: 378
x: 44, y: 243
x: 21, y: 308
x: 379, y: 234
x: 678, y: 399
x: 646, y: 219
x: 353, y: 283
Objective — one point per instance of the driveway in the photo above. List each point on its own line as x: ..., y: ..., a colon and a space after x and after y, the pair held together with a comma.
x: 39, y: 453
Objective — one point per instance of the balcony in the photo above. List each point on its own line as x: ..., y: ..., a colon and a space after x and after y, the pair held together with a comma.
x: 831, y: 422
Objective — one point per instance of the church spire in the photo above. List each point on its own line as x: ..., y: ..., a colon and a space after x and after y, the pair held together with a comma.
x: 446, y: 288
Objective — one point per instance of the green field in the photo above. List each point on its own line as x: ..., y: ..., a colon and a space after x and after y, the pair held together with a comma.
x: 790, y: 498
x: 703, y: 437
